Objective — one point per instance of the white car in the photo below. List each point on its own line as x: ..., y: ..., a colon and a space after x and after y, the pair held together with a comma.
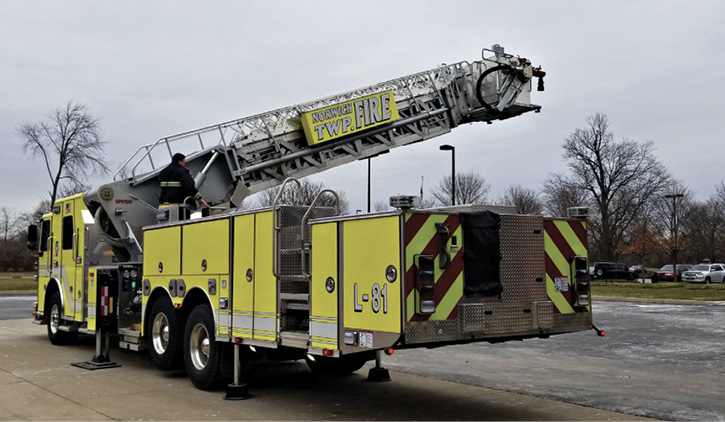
x: 705, y: 273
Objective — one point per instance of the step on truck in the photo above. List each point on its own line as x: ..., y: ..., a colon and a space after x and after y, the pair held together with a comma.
x: 219, y: 288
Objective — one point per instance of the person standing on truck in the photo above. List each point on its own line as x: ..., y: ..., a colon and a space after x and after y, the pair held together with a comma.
x: 176, y: 183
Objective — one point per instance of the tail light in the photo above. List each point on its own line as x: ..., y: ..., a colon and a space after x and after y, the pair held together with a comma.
x: 425, y: 284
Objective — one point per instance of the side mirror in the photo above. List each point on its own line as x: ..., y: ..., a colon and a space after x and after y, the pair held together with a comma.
x: 33, y: 237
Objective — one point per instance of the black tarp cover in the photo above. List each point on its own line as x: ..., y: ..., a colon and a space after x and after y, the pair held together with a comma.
x: 481, y: 253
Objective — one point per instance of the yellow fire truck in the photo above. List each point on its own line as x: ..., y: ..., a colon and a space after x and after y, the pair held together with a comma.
x: 297, y: 281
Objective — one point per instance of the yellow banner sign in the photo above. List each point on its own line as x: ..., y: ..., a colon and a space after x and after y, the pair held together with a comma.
x: 328, y: 123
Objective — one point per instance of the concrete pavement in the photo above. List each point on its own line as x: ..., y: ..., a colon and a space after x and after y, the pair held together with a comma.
x: 37, y: 382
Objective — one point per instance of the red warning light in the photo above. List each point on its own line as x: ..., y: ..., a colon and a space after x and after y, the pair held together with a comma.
x: 389, y: 351
x: 327, y: 352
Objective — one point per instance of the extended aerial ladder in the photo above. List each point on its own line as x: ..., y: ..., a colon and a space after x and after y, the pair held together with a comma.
x: 234, y: 159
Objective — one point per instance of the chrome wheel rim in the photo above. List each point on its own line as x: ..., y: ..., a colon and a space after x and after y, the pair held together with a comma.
x: 54, y: 318
x: 160, y: 333
x: 200, y: 346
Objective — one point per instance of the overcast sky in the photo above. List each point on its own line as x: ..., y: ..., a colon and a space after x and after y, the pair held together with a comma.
x: 153, y: 69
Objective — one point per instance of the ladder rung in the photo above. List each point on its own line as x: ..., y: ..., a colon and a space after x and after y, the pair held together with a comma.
x: 298, y: 306
x: 300, y: 297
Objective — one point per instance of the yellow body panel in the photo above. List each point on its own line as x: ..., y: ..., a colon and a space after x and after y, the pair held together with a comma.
x: 162, y: 251
x: 324, y: 304
x: 265, y: 283
x: 243, y: 300
x: 65, y: 256
x: 370, y: 301
x: 205, y: 242
x: 92, y: 298
x: 45, y: 263
x: 78, y: 253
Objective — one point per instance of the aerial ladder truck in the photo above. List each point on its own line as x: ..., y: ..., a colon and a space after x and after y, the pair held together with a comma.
x: 295, y: 281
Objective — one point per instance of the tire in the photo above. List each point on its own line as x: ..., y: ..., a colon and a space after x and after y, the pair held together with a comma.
x: 164, y: 336
x: 55, y: 313
x: 343, y: 365
x: 707, y: 280
x: 202, y: 353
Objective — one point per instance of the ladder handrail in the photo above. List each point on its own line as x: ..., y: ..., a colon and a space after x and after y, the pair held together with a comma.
x: 275, y: 216
x: 304, y: 222
x: 432, y: 79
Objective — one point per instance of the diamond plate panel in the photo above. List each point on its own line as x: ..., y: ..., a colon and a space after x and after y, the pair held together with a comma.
x: 505, y: 318
x: 290, y: 253
x: 566, y: 323
x: 523, y: 276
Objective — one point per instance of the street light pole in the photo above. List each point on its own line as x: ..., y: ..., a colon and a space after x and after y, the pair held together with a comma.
x: 452, y: 149
x: 675, y: 244
x: 369, y: 158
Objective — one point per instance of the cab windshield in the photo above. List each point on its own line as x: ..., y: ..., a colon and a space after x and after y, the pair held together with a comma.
x: 700, y: 268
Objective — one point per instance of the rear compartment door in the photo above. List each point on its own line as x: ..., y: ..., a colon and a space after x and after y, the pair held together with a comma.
x: 371, y: 280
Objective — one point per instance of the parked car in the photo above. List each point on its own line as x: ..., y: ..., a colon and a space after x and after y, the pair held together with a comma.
x: 610, y: 271
x: 705, y: 273
x: 666, y: 274
x: 636, y: 271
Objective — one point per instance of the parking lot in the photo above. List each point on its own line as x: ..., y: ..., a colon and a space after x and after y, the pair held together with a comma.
x: 657, y: 361
x: 37, y: 382
x: 660, y: 361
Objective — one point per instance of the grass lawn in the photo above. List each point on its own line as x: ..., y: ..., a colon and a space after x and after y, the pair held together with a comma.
x: 24, y: 282
x: 17, y: 281
x: 685, y: 291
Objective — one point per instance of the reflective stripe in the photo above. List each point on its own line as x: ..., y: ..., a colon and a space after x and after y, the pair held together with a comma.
x: 323, y: 330
x: 170, y: 184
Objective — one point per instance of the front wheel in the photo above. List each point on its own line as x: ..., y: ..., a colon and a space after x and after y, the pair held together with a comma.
x: 707, y: 280
x: 202, y: 353
x: 55, y: 334
x: 164, y: 333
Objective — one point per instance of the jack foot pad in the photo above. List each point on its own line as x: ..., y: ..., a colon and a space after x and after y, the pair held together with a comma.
x: 91, y: 366
x: 379, y: 375
x: 237, y: 392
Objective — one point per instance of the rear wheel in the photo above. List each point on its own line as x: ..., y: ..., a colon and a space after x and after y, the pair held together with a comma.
x: 164, y: 333
x: 55, y: 334
x: 202, y: 353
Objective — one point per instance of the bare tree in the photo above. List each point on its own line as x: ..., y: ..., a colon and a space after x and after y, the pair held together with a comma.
x: 34, y: 216
x: 70, y: 144
x: 620, y: 177
x: 471, y: 188
x: 14, y: 255
x: 381, y: 207
x: 705, y: 229
x: 304, y: 196
x: 9, y: 224
x: 526, y: 201
x: 560, y: 193
x: 644, y: 240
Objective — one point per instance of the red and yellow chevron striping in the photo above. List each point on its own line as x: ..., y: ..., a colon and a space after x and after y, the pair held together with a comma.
x: 421, y: 238
x: 563, y: 240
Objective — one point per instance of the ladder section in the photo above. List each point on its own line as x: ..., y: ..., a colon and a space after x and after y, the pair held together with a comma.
x: 262, y: 150
x: 293, y: 260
